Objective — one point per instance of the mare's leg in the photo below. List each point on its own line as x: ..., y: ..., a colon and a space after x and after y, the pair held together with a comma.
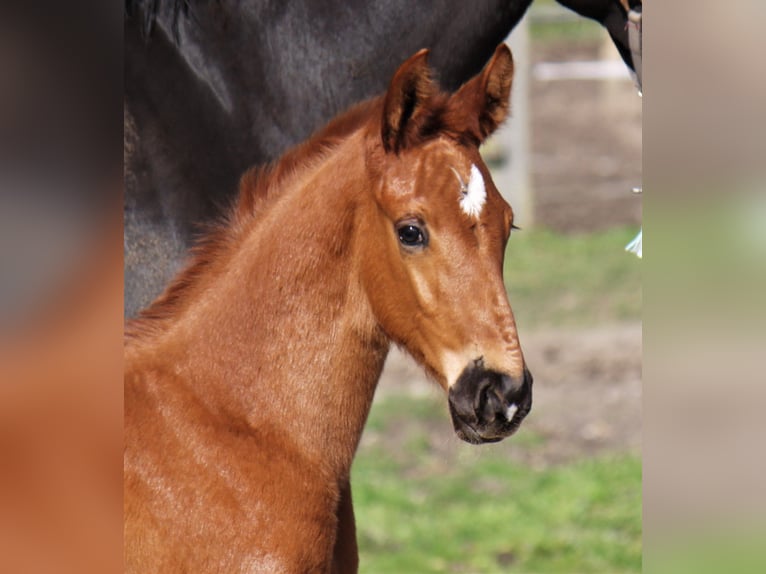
x: 345, y: 555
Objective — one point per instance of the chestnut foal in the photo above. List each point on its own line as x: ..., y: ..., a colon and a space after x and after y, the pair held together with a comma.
x: 248, y: 382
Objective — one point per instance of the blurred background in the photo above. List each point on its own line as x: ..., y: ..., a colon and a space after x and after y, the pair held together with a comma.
x: 564, y: 493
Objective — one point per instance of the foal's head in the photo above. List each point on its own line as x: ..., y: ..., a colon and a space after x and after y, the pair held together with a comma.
x: 434, y: 259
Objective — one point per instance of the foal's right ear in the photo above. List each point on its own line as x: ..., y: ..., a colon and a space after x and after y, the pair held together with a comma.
x: 410, y: 90
x: 482, y: 103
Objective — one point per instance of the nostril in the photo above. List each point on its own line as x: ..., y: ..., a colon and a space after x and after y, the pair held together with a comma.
x: 496, y: 395
x: 492, y: 402
x: 484, y: 397
x: 516, y: 393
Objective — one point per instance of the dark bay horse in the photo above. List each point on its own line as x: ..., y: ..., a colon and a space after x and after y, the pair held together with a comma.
x: 248, y: 382
x: 215, y: 86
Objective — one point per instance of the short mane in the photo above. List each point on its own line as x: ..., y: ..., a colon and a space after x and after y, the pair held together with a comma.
x: 258, y: 186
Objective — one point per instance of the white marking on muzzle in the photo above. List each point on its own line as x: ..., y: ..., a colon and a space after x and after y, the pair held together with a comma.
x: 511, y: 411
x: 474, y: 194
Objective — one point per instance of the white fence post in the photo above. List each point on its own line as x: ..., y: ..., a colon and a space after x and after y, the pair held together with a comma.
x: 509, y: 160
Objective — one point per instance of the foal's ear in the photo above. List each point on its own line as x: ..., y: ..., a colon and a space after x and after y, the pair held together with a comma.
x: 483, y: 103
x: 407, y: 96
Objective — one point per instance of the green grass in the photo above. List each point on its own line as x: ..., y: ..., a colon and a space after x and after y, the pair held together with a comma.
x: 574, y: 280
x: 421, y: 508
x: 577, y: 28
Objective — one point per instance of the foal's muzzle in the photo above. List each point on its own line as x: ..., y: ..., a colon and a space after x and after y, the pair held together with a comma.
x: 486, y: 405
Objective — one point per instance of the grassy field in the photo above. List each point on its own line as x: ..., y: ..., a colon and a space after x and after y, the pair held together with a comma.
x: 576, y: 28
x: 574, y: 280
x: 437, y: 505
x: 426, y: 502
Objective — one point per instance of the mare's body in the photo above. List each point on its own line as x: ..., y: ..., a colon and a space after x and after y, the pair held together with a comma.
x: 248, y: 382
x: 213, y: 87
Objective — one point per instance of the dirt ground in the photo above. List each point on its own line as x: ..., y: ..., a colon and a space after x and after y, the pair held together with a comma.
x: 586, y: 145
x: 586, y: 156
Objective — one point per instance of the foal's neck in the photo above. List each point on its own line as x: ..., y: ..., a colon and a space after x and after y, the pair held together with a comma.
x: 282, y: 338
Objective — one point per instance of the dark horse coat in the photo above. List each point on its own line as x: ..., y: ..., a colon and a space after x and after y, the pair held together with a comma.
x: 213, y: 87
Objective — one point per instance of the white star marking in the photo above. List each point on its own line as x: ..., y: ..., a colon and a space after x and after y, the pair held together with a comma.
x: 473, y: 195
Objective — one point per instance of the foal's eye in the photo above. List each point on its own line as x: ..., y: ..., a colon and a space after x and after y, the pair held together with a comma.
x: 411, y: 235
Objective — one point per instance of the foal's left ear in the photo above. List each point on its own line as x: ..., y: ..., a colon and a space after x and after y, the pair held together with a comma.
x: 407, y: 98
x: 483, y: 103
